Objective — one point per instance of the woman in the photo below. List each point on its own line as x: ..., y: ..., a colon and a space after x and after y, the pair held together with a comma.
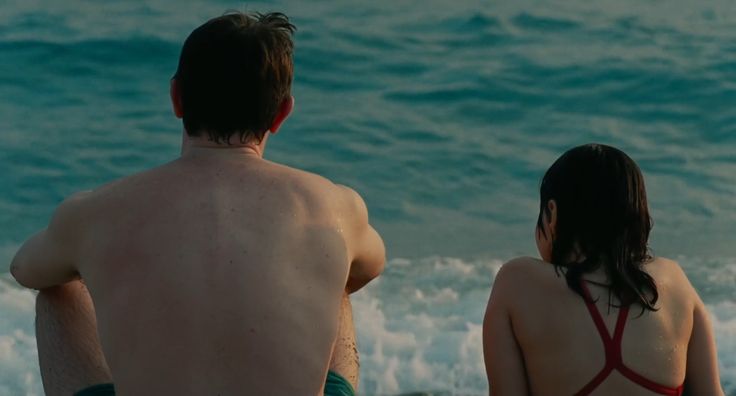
x: 597, y: 315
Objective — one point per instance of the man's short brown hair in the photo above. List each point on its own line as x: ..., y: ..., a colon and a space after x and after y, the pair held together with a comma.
x: 234, y: 73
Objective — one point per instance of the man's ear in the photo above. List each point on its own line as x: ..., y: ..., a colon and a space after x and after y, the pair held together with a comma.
x: 284, y: 110
x: 552, y: 208
x: 176, y: 98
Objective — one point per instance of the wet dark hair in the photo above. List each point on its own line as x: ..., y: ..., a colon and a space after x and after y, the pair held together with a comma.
x: 234, y: 73
x: 602, y: 216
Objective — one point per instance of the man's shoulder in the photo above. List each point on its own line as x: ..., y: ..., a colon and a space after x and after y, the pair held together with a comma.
x: 85, y: 203
x: 309, y: 182
x: 345, y: 199
x: 300, y: 175
x: 142, y: 179
x: 71, y: 211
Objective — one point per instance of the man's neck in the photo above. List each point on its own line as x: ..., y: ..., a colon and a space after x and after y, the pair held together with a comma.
x: 198, y: 146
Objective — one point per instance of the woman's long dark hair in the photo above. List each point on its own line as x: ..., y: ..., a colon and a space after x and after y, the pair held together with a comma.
x: 602, y: 217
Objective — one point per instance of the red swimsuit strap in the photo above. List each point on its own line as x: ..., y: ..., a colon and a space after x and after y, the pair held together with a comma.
x: 614, y: 359
x: 613, y: 354
x: 655, y: 387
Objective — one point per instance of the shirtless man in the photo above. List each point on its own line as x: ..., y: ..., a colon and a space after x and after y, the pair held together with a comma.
x: 219, y: 273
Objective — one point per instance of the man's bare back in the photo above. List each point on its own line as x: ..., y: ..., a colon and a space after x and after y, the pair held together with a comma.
x: 219, y: 264
x: 220, y: 272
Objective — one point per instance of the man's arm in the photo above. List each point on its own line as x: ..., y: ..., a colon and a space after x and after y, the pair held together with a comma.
x: 47, y: 258
x: 368, y: 251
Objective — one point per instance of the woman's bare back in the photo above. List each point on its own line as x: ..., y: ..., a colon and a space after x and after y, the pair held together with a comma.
x: 560, y: 349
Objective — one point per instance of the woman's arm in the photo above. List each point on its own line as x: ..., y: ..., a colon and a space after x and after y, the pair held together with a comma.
x: 702, y: 376
x: 503, y: 357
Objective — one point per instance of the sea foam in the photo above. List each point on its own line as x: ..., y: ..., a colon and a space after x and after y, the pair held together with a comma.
x: 418, y: 326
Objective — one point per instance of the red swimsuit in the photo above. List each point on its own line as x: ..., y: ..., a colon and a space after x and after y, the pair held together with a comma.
x: 614, y: 360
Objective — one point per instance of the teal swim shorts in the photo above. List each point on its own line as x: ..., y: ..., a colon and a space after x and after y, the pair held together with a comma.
x: 97, y: 390
x: 335, y: 385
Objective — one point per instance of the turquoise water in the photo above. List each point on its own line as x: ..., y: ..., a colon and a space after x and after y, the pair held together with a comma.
x: 444, y: 115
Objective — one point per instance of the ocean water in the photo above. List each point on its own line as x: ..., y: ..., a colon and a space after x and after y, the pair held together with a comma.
x: 443, y: 115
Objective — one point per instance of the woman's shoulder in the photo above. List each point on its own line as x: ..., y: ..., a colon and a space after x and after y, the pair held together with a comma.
x: 535, y: 269
x: 664, y: 264
x: 528, y: 275
x: 671, y: 280
x: 524, y: 277
x: 666, y: 272
x: 529, y: 268
x: 523, y: 268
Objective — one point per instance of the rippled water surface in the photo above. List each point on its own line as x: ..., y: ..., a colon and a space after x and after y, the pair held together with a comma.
x: 444, y: 115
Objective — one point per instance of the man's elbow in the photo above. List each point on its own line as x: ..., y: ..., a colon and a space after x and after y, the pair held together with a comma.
x: 21, y: 274
x: 355, y: 284
x: 378, y: 269
x: 357, y: 281
x: 374, y: 270
x: 16, y: 270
